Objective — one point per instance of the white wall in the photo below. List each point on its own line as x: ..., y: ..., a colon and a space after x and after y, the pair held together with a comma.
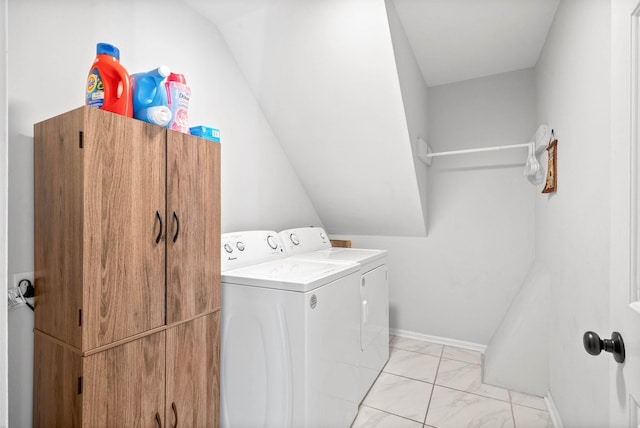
x: 4, y: 403
x: 324, y: 73
x: 414, y: 97
x: 51, y: 47
x: 459, y: 281
x: 572, y: 226
x: 517, y: 357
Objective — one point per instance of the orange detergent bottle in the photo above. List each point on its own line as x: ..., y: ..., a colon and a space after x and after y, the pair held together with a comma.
x: 108, y: 83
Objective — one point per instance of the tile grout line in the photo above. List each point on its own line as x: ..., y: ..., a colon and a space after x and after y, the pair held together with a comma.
x: 419, y: 353
x: 462, y: 390
x: 440, y: 357
x: 513, y: 415
x: 454, y: 389
x: 441, y: 354
x: 434, y: 383
x: 389, y: 413
x: 414, y: 351
x: 408, y: 377
x: 433, y: 387
x: 401, y: 376
x: 474, y: 393
x: 530, y: 407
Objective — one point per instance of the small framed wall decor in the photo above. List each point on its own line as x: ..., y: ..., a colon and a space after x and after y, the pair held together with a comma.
x: 551, y: 182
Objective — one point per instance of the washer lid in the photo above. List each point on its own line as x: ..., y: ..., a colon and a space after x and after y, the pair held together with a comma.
x: 290, y: 274
x: 359, y: 255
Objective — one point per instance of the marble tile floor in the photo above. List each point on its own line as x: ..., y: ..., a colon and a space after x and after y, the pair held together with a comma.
x: 426, y: 385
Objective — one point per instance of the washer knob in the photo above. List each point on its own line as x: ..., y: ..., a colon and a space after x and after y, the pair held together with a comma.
x: 272, y: 242
x: 240, y: 245
x: 228, y: 248
x: 322, y: 235
x: 294, y: 239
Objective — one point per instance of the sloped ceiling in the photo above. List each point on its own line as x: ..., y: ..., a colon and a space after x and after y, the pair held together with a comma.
x: 324, y: 73
x: 453, y: 40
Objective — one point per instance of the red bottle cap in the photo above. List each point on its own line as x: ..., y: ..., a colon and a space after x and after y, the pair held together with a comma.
x: 173, y: 77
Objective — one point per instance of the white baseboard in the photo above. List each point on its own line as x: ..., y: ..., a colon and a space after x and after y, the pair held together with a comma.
x: 437, y: 339
x: 553, y: 411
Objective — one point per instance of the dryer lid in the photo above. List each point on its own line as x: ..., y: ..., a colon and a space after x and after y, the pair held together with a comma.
x: 358, y: 255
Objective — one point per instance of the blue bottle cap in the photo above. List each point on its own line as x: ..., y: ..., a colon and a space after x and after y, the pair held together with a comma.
x: 107, y: 49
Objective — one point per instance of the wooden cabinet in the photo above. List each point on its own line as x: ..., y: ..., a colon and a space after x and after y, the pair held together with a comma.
x: 169, y: 378
x: 127, y: 262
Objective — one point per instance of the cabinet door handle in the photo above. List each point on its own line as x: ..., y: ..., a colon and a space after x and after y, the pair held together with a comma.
x: 161, y: 227
x: 175, y: 414
x: 175, y: 218
x: 158, y: 420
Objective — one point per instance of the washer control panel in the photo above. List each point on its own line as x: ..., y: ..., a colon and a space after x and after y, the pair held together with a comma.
x: 249, y: 247
x: 304, y: 239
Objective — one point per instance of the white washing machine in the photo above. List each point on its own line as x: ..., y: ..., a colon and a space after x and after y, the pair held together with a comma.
x: 290, y: 337
x: 312, y: 243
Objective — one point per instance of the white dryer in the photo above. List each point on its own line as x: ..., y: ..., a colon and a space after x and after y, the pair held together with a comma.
x: 290, y: 337
x: 312, y: 243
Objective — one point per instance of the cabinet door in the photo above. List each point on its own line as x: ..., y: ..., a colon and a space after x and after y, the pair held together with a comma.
x: 193, y: 235
x: 193, y: 355
x: 58, y: 217
x: 56, y: 370
x: 124, y: 221
x: 124, y: 386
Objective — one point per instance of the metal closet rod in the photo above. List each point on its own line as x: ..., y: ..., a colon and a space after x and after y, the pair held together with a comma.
x: 484, y: 149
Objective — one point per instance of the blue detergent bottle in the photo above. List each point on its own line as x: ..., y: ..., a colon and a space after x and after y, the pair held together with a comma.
x: 150, y: 97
